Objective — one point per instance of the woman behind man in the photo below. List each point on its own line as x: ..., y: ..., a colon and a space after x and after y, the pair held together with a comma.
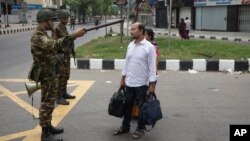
x: 149, y: 35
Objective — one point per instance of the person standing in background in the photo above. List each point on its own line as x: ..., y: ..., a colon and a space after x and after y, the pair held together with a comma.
x: 72, y: 22
x: 59, y: 32
x: 182, y: 29
x: 188, y: 27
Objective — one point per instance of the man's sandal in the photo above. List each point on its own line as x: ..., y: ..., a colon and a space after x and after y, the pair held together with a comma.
x: 120, y: 131
x: 137, y: 134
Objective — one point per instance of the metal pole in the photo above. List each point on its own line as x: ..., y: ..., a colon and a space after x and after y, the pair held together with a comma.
x: 106, y: 30
x: 170, y: 17
x: 169, y: 7
x: 7, y: 20
x: 121, y: 28
x: 127, y: 18
x: 0, y: 15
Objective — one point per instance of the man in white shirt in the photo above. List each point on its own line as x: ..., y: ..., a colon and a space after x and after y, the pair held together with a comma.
x: 188, y: 26
x: 138, y: 72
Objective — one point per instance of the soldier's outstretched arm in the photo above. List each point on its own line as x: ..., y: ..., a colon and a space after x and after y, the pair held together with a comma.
x: 68, y: 41
x: 45, y: 42
x: 79, y: 33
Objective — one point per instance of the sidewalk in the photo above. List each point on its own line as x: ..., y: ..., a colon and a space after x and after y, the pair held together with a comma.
x: 213, y: 35
x: 218, y: 35
x: 15, y: 28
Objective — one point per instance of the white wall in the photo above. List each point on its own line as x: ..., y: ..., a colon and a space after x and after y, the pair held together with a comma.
x: 185, y: 12
x: 13, y: 18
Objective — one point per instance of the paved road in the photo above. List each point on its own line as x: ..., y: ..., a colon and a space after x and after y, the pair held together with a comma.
x: 15, y: 49
x: 196, y: 107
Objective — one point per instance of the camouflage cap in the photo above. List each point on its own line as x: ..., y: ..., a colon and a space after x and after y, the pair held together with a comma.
x: 63, y: 13
x: 45, y: 15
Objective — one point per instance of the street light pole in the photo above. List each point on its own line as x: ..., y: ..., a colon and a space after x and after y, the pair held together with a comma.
x: 0, y: 15
x: 128, y: 17
x: 169, y: 13
x: 7, y: 20
x: 105, y: 9
x: 121, y: 25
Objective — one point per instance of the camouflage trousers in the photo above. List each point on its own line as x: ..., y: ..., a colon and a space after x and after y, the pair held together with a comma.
x: 49, y: 95
x: 64, y: 73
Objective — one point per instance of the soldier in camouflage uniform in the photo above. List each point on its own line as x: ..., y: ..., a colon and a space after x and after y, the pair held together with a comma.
x: 59, y: 32
x: 45, y: 68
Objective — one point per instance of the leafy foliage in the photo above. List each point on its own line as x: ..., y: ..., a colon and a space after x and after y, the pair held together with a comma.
x: 84, y: 8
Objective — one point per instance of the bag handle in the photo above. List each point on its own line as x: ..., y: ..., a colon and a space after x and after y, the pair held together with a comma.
x: 121, y: 89
x: 151, y: 96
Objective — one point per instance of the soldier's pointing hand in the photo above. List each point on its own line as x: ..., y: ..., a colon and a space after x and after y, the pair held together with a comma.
x: 79, y: 32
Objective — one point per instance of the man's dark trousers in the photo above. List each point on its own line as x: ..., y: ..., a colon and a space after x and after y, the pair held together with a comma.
x: 133, y: 93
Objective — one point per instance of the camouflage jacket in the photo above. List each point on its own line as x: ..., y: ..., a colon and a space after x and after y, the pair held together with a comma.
x: 44, y: 50
x: 59, y: 32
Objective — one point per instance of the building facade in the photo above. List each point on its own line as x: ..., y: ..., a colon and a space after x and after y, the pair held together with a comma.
x: 24, y: 11
x: 222, y: 15
x: 213, y: 15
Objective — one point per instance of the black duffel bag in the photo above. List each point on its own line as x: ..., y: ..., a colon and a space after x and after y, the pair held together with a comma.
x: 150, y: 111
x: 117, y: 103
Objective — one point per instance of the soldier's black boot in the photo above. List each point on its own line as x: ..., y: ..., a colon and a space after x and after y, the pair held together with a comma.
x: 66, y: 95
x: 55, y: 130
x: 47, y: 136
x: 60, y: 99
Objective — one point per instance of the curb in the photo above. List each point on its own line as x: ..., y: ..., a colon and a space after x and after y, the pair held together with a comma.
x: 209, y: 37
x: 16, y: 30
x: 170, y: 65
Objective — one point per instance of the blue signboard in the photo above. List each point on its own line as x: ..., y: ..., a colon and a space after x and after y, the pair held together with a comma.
x: 30, y: 6
x: 216, y: 2
x: 151, y: 2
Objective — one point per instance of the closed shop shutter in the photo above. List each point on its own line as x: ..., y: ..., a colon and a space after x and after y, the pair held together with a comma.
x: 211, y: 18
x: 244, y: 18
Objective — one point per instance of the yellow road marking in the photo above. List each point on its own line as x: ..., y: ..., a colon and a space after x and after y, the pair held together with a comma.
x: 20, y: 92
x: 71, y: 85
x: 15, y: 135
x: 61, y: 111
x: 14, y: 80
x: 25, y: 92
x: 19, y: 101
x: 26, y: 80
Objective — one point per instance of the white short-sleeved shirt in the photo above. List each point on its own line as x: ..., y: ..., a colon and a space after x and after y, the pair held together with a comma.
x: 140, y: 64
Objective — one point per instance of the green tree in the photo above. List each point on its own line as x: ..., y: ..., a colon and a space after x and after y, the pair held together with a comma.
x: 137, y: 2
x: 84, y: 8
